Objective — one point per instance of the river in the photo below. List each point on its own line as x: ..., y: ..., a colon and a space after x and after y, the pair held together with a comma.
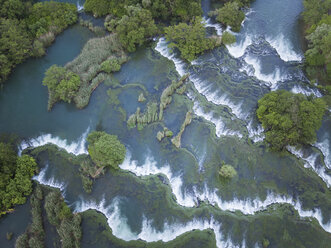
x: 224, y: 87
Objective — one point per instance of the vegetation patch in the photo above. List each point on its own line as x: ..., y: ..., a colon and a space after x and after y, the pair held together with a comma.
x: 318, y: 34
x: 177, y: 139
x: 105, y: 150
x: 227, y: 171
x: 27, y: 28
x: 58, y: 214
x: 290, y: 119
x: 190, y: 39
x: 99, y: 57
x: 15, y: 173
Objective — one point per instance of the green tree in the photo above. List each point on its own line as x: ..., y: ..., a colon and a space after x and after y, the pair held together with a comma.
x: 62, y: 84
x: 230, y: 14
x: 15, y: 174
x: 190, y: 39
x: 228, y: 38
x: 105, y: 149
x: 134, y: 28
x: 227, y: 171
x: 97, y: 7
x: 290, y: 119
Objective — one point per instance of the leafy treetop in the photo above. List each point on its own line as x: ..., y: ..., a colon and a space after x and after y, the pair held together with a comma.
x: 290, y: 119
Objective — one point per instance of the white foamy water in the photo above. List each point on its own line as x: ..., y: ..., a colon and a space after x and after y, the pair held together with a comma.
x: 324, y: 147
x: 284, y: 48
x: 221, y: 130
x: 80, y: 7
x: 272, y: 78
x: 255, y: 133
x: 78, y: 147
x: 191, y: 199
x: 162, y: 48
x: 238, y: 49
x: 216, y: 26
x: 310, y: 162
x: 122, y: 230
x: 202, y: 87
x: 41, y: 178
x: 305, y: 91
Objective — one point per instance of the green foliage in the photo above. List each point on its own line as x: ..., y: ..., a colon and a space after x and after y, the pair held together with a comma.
x: 318, y: 27
x: 134, y: 28
x: 230, y: 14
x: 105, y: 149
x: 110, y: 65
x: 190, y: 39
x: 97, y: 7
x: 14, y: 45
x: 26, y: 29
x: 227, y: 171
x: 290, y: 119
x: 170, y: 10
x: 62, y: 84
x: 228, y: 38
x: 15, y: 173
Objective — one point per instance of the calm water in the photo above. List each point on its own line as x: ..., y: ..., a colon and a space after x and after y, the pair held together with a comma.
x: 224, y: 87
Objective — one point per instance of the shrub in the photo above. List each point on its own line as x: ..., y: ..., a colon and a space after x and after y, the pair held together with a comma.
x: 227, y: 171
x: 105, y: 149
x: 231, y: 15
x: 290, y: 119
x: 189, y: 39
x: 110, y: 65
x: 228, y: 38
x: 134, y: 28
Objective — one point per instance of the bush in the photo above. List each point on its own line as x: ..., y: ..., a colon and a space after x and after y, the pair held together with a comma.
x: 227, y: 171
x: 190, y: 39
x: 105, y: 149
x: 15, y: 174
x: 230, y: 14
x: 228, y: 38
x: 290, y: 119
x: 134, y: 28
x: 110, y: 65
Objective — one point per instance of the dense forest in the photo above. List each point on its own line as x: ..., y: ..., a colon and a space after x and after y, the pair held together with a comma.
x: 27, y: 28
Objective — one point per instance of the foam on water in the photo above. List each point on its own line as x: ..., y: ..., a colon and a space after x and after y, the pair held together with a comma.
x: 284, y: 48
x: 238, y: 49
x: 76, y: 148
x: 79, y: 6
x: 192, y: 199
x: 324, y: 147
x: 221, y: 130
x: 201, y: 87
x: 162, y: 48
x: 41, y: 178
x: 122, y: 230
x: 272, y: 78
x: 216, y: 26
x: 255, y: 133
x: 310, y: 162
x: 150, y: 168
x: 306, y: 91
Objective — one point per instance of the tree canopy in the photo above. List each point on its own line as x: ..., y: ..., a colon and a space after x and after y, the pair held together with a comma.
x: 134, y: 28
x: 15, y: 177
x: 190, y: 39
x: 318, y: 30
x: 170, y: 10
x: 27, y: 28
x: 105, y: 149
x: 290, y: 119
x: 230, y: 14
x: 62, y: 84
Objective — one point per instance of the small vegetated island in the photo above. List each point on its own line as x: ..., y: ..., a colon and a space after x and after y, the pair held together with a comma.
x: 290, y: 119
